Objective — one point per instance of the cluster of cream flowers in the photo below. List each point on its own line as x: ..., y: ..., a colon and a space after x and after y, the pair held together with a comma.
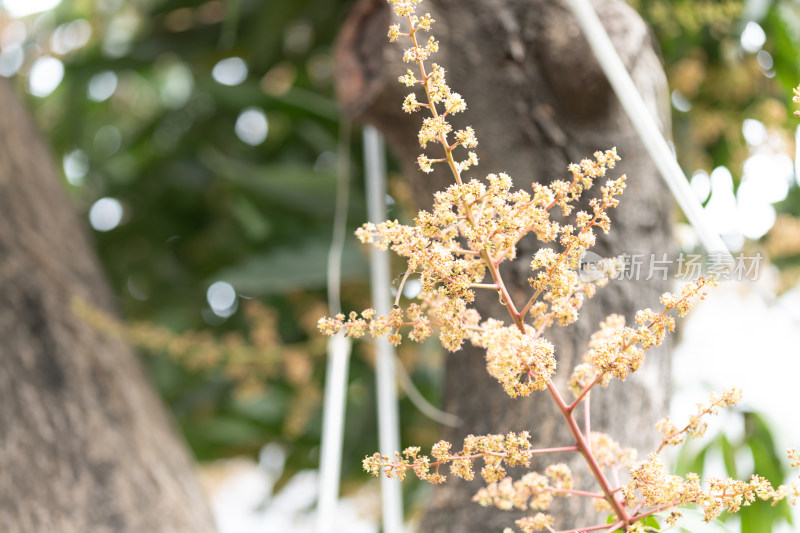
x: 496, y: 451
x: 617, y: 350
x: 473, y: 227
x: 652, y: 486
x: 696, y: 427
x: 532, y: 491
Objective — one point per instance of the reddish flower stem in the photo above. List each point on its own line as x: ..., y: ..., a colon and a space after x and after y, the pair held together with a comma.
x: 587, y: 419
x: 487, y: 258
x: 491, y: 263
x: 555, y: 450
x: 587, y: 494
x: 583, y: 394
x: 585, y: 450
x: 607, y: 527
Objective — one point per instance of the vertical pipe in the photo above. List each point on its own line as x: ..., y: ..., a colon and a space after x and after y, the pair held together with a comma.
x: 380, y: 277
x: 338, y: 355
x: 645, y: 125
x: 332, y: 432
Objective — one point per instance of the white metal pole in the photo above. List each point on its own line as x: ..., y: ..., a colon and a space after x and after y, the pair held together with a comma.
x: 338, y: 356
x: 645, y: 125
x: 380, y: 277
x: 332, y: 431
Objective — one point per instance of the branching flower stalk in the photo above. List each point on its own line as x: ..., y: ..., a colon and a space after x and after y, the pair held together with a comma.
x: 473, y: 227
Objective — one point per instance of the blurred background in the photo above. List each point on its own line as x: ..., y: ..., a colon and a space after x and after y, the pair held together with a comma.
x: 199, y: 141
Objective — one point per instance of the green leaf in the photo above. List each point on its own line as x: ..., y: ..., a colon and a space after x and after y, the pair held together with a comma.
x: 298, y: 187
x: 610, y: 519
x: 650, y: 522
x: 227, y: 430
x: 289, y: 268
x: 728, y: 455
x: 255, y: 225
x: 766, y: 455
x: 692, y: 462
x: 267, y: 408
x: 757, y: 518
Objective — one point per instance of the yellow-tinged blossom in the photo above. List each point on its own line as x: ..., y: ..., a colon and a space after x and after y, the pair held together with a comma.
x: 537, y: 522
x: 457, y: 247
x: 696, y: 427
x: 520, y: 362
x: 653, y: 486
x: 796, y: 99
x: 495, y: 451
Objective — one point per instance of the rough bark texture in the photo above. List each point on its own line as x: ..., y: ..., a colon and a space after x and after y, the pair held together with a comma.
x: 85, y: 445
x: 537, y: 100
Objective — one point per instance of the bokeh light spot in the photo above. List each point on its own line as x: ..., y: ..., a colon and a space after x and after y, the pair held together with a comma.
x: 252, y: 126
x: 46, y: 74
x: 76, y: 166
x: 753, y: 37
x: 231, y: 71
x: 22, y: 8
x: 102, y: 86
x: 222, y: 298
x: 106, y: 214
x: 754, y: 131
x: 701, y: 185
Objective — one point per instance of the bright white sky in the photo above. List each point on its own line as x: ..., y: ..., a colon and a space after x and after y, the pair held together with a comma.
x: 20, y: 8
x: 743, y: 336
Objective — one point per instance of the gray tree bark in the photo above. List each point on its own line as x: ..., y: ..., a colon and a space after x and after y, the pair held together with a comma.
x: 85, y: 445
x: 538, y: 101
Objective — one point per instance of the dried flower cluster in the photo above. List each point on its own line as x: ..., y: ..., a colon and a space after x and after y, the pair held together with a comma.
x: 252, y: 362
x: 456, y: 248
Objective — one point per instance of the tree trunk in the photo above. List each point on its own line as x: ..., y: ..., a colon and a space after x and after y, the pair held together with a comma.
x: 86, y: 445
x: 538, y: 101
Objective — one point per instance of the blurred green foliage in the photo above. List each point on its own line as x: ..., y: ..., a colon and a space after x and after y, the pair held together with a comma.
x: 140, y: 118
x: 721, y: 80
